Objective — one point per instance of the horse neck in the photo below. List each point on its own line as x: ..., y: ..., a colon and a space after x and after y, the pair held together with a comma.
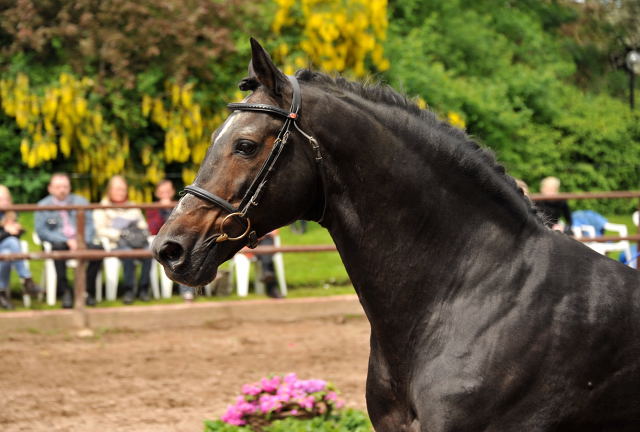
x: 406, y: 220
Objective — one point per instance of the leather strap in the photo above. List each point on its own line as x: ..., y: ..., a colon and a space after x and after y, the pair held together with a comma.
x: 255, y: 189
x: 259, y: 108
x: 208, y: 196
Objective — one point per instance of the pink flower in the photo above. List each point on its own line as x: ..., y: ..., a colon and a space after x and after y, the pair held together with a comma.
x: 270, y: 385
x: 307, y: 402
x: 233, y: 416
x: 250, y: 389
x: 272, y: 394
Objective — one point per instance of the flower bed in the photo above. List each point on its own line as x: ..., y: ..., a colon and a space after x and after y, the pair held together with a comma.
x: 286, y: 403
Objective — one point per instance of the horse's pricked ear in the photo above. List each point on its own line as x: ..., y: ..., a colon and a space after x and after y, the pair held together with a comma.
x: 263, y: 69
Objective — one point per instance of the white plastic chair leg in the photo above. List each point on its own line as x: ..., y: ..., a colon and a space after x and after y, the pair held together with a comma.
x: 166, y: 284
x: 242, y: 265
x: 153, y: 276
x: 50, y: 277
x: 278, y: 263
x: 112, y: 274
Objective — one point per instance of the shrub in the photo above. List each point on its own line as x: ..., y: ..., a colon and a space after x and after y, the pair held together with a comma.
x: 348, y: 420
x: 280, y: 403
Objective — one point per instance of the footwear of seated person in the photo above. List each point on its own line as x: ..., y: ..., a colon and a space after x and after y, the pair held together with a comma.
x: 30, y: 287
x: 5, y: 303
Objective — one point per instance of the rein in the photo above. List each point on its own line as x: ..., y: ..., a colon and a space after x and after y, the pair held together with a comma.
x: 254, y: 191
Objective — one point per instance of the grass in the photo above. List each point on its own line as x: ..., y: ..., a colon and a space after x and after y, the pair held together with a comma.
x: 308, y: 274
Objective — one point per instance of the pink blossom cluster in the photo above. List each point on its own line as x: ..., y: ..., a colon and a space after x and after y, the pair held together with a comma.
x: 280, y: 397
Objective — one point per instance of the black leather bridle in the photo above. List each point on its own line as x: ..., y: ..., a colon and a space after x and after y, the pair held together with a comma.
x: 252, y: 194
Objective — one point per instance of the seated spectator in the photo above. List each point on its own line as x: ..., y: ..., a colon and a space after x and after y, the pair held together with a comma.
x: 165, y: 192
x: 589, y: 217
x: 268, y: 270
x: 10, y: 232
x: 113, y: 224
x: 523, y: 187
x: 58, y: 227
x: 553, y: 210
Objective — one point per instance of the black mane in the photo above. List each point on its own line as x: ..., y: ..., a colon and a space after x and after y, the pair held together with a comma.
x: 386, y: 95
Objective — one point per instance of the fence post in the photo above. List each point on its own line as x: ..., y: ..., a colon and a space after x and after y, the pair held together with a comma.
x: 80, y: 279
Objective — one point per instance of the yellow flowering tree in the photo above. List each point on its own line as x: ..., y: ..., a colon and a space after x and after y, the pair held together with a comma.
x: 58, y: 121
x: 187, y: 127
x: 335, y: 35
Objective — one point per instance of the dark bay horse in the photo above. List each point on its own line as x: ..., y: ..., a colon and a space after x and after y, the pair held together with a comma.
x: 482, y: 319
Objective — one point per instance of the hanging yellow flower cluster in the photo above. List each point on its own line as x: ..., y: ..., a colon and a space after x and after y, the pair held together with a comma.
x: 186, y: 126
x: 337, y: 35
x: 58, y: 120
x: 456, y: 120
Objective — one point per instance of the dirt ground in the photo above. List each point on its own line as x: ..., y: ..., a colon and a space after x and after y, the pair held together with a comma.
x: 167, y: 380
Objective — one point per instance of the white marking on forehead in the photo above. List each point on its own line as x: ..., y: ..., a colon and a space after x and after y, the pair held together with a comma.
x: 225, y: 127
x: 228, y: 122
x: 178, y: 209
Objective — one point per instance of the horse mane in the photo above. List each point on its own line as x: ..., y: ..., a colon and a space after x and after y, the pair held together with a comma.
x: 386, y: 95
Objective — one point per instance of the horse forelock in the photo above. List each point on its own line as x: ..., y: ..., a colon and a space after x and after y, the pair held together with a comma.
x: 474, y: 156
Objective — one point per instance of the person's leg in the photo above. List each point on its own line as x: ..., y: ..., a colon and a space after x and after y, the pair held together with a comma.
x: 266, y: 260
x: 268, y: 270
x: 12, y: 245
x: 186, y: 292
x: 63, y: 288
x: 145, y: 279
x: 61, y: 268
x: 92, y: 272
x: 5, y: 298
x: 128, y: 267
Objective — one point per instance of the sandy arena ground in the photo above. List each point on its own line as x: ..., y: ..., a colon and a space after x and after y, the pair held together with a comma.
x: 166, y: 380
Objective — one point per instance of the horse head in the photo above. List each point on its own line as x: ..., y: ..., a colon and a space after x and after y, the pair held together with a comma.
x: 258, y: 174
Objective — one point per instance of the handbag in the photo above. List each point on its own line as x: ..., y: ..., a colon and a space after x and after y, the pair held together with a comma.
x: 134, y: 237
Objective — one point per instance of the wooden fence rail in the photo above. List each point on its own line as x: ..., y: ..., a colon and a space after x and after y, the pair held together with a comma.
x: 82, y: 254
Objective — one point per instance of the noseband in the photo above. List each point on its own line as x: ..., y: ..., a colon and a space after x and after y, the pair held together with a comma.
x: 252, y: 194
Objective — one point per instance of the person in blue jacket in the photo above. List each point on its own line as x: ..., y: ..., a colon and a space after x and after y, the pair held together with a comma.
x: 58, y: 227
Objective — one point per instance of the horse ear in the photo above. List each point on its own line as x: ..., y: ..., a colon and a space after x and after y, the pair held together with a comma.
x: 263, y: 69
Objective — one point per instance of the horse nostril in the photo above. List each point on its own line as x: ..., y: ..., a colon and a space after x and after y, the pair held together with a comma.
x: 170, y: 253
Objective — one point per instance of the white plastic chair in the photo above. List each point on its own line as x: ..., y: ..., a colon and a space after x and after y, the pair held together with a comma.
x: 241, y: 267
x: 603, y: 248
x: 49, y: 278
x: 157, y: 272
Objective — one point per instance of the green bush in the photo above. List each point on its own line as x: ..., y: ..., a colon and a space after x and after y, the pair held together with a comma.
x: 344, y: 421
x: 507, y: 71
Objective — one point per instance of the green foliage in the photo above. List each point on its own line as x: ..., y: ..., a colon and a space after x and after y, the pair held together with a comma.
x: 539, y: 82
x: 506, y: 69
x: 344, y: 421
x: 24, y: 188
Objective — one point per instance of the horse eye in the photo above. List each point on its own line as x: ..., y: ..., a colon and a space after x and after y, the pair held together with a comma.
x: 245, y: 147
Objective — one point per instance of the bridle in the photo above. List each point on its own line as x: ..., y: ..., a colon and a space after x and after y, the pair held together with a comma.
x: 252, y: 194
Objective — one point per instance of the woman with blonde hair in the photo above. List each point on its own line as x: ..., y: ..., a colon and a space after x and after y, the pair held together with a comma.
x: 125, y: 228
x: 10, y: 232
